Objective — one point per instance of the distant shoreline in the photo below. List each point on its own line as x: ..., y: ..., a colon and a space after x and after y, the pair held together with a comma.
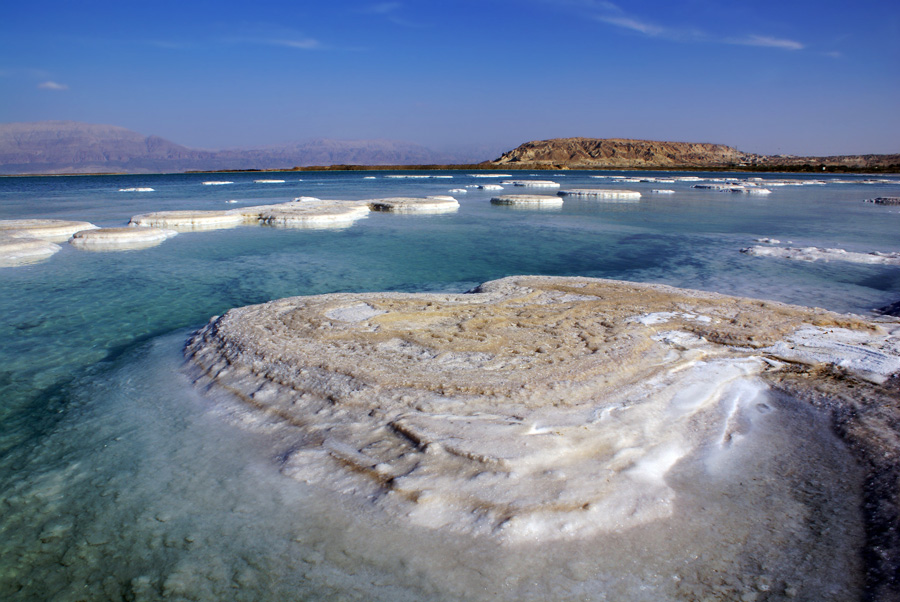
x: 810, y: 169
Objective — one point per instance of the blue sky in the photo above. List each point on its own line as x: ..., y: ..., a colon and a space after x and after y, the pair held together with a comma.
x: 795, y: 77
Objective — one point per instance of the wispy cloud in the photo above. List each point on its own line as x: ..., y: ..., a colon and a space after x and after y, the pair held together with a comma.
x: 612, y: 14
x: 51, y: 85
x: 302, y: 43
x: 766, y: 42
x: 382, y: 8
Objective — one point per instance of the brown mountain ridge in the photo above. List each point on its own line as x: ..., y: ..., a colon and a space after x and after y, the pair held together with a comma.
x: 620, y: 153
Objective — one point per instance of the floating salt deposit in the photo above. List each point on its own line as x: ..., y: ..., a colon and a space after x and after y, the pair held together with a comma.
x: 53, y: 230
x: 458, y: 191
x: 601, y: 193
x: 217, y: 183
x: 662, y: 191
x: 531, y: 183
x: 490, y: 175
x: 489, y: 187
x: 432, y: 204
x: 269, y: 181
x: 527, y: 200
x: 22, y: 250
x: 120, y: 239
x: 307, y: 198
x: 315, y: 214
x: 733, y: 187
x: 538, y: 408
x: 141, y: 189
x: 819, y: 253
x: 885, y: 200
x: 189, y: 220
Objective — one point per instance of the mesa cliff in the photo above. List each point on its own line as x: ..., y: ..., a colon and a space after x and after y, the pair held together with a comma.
x: 619, y: 153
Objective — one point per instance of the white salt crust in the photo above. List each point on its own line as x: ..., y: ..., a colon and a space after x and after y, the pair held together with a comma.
x: 537, y: 408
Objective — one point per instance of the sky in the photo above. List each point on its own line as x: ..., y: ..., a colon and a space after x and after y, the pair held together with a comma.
x: 789, y: 77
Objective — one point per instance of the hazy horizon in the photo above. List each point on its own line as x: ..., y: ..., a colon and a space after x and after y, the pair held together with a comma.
x: 802, y: 78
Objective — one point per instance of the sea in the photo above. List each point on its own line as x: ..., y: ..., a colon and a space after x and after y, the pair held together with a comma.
x: 119, y: 480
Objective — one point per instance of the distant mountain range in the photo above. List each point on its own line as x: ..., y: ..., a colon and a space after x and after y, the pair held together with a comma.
x: 54, y: 147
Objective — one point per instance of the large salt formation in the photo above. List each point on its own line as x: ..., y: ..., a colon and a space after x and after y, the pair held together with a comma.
x: 553, y: 408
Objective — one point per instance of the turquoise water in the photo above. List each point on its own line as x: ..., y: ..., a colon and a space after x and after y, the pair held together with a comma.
x: 91, y: 342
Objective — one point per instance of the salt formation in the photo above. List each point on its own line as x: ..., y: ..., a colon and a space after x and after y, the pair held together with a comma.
x: 458, y: 191
x: 531, y: 183
x: 52, y: 230
x: 490, y: 187
x: 120, y: 239
x: 747, y: 188
x: 662, y: 191
x: 819, y: 253
x: 601, y: 193
x: 217, y: 183
x: 22, y: 250
x: 490, y: 175
x: 307, y: 214
x: 137, y: 189
x: 885, y: 200
x: 528, y: 200
x: 432, y: 204
x: 184, y: 221
x: 534, y: 408
x: 268, y: 181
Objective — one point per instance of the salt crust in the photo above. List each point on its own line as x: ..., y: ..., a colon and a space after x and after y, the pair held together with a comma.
x: 432, y: 204
x: 534, y: 408
x: 53, y: 230
x: 527, y: 200
x: 601, y: 193
x: 17, y: 250
x: 120, y: 239
x: 531, y: 183
x: 819, y: 253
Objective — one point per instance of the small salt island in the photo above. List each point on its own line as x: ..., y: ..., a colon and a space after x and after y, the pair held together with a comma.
x: 552, y: 409
x: 601, y: 193
x: 186, y: 221
x: 53, y: 230
x: 120, y: 239
x: 432, y: 204
x: 23, y: 250
x: 527, y: 200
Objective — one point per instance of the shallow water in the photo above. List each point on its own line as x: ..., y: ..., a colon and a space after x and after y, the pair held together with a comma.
x: 117, y: 479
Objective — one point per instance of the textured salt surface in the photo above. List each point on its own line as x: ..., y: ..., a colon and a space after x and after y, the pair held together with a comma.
x: 527, y: 200
x: 531, y: 183
x: 433, y: 204
x: 185, y: 221
x: 822, y: 254
x: 120, y: 239
x: 19, y: 250
x: 307, y: 213
x: 537, y: 409
x: 601, y: 193
x: 53, y: 230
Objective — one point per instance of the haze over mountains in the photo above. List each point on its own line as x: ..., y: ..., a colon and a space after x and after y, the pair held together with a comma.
x: 56, y: 147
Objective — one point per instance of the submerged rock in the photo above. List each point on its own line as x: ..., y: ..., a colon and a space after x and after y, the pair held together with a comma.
x: 885, y: 200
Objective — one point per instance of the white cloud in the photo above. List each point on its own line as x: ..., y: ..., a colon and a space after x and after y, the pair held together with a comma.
x: 50, y: 85
x: 632, y: 24
x: 766, y: 42
x: 303, y: 44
